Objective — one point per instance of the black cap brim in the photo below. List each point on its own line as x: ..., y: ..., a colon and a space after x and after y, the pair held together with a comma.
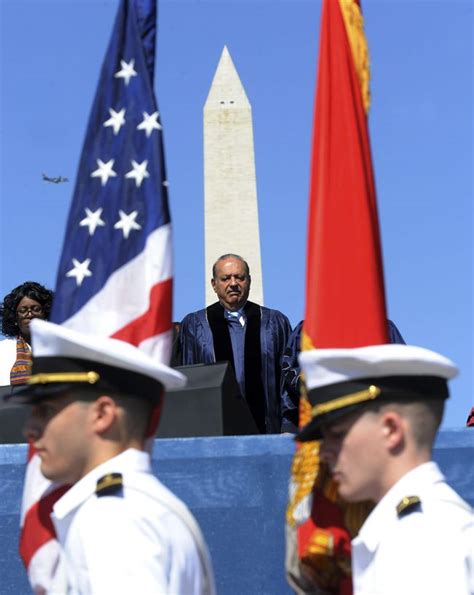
x: 25, y: 394
x: 361, y: 392
x: 313, y: 430
x: 53, y: 375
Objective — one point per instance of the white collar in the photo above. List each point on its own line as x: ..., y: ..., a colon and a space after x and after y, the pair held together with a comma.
x: 130, y: 459
x: 386, y: 510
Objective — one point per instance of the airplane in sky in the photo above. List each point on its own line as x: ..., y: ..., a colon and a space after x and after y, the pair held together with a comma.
x: 55, y: 180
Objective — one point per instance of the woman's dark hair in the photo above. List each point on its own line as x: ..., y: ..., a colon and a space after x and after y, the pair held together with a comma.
x: 30, y: 289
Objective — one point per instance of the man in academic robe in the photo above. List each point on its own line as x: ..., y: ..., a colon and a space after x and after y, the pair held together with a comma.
x: 251, y: 337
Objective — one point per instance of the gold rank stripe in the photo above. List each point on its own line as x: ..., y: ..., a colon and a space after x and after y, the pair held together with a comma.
x: 364, y: 395
x: 44, y: 378
x: 108, y: 481
x: 407, y: 503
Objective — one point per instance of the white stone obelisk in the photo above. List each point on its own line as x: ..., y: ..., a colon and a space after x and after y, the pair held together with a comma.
x: 230, y: 188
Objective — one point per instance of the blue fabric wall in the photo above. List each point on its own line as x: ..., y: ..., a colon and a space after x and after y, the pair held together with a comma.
x: 236, y: 488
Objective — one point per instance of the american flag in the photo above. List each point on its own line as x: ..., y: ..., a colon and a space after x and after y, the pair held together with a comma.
x: 115, y: 273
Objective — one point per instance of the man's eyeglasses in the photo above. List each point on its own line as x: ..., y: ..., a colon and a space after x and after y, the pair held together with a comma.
x: 23, y: 311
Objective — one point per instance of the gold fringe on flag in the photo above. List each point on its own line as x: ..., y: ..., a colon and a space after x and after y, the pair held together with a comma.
x: 307, y: 474
x: 354, y: 23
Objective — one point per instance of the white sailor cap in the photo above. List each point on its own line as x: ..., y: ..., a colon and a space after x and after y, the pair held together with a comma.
x: 341, y: 380
x: 65, y: 358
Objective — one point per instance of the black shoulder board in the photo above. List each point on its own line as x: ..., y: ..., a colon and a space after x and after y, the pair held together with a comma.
x: 408, y: 504
x: 109, y: 485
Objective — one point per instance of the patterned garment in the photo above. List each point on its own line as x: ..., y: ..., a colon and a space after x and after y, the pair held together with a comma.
x: 21, y: 369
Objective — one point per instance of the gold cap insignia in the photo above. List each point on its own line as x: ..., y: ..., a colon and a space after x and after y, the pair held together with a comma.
x: 47, y: 378
x: 364, y: 395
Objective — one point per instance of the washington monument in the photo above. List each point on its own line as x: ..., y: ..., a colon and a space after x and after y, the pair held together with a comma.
x: 230, y: 190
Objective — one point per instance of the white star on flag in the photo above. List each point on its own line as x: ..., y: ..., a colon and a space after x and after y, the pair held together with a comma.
x: 80, y: 270
x: 127, y: 71
x: 127, y: 223
x: 138, y: 172
x: 93, y: 220
x: 104, y: 171
x: 165, y: 183
x: 149, y: 123
x: 116, y: 120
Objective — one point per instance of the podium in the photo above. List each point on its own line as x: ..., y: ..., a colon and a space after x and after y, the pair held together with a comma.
x: 210, y: 405
x: 12, y: 419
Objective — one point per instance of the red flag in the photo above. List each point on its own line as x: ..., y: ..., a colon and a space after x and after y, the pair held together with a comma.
x: 345, y: 302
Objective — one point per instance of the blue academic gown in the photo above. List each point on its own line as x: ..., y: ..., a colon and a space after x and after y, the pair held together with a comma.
x: 290, y: 369
x: 197, y: 347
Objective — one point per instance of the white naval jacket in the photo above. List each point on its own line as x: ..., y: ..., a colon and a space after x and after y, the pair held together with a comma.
x: 142, y: 540
x: 428, y: 550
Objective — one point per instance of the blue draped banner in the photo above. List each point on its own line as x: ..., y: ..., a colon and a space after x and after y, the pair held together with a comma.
x: 236, y: 488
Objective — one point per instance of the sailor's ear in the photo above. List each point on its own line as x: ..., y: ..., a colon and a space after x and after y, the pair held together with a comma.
x: 104, y: 411
x: 394, y: 429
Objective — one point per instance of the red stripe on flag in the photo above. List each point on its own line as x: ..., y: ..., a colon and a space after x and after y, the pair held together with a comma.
x: 38, y: 527
x: 31, y: 451
x: 155, y: 321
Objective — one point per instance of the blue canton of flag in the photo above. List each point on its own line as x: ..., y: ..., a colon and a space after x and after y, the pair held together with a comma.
x: 115, y: 273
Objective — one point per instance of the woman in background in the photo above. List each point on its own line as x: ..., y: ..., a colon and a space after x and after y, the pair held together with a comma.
x: 27, y: 301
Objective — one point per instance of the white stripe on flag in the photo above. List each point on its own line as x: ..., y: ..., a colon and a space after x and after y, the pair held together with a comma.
x: 109, y: 310
x: 159, y: 346
x: 36, y: 486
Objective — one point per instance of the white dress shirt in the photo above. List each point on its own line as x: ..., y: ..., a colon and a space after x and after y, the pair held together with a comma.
x: 142, y: 540
x: 7, y: 359
x: 428, y: 550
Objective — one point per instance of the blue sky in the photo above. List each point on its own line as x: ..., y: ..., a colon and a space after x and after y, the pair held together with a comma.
x: 421, y: 124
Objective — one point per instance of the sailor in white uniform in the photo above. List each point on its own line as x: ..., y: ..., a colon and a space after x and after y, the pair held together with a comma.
x: 121, y: 531
x: 376, y: 411
x: 430, y: 535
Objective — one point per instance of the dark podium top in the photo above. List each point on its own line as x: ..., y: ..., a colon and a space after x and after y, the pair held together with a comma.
x: 209, y: 405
